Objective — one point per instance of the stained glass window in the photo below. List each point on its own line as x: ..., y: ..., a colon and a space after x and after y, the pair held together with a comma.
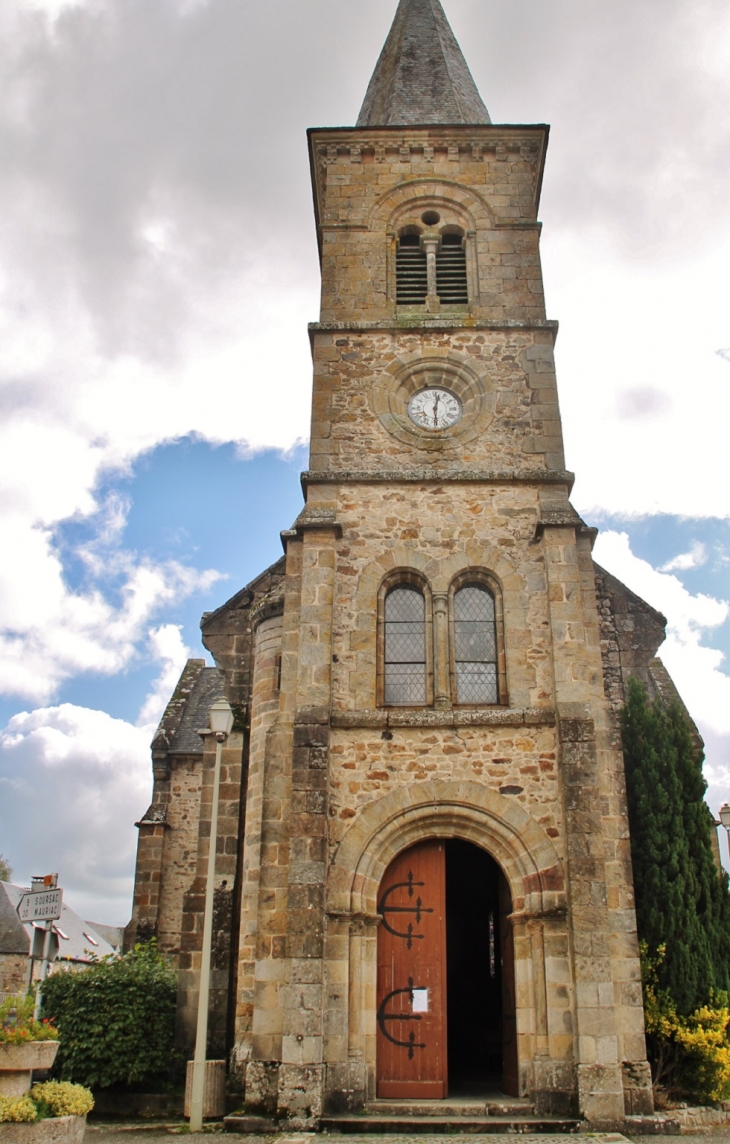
x: 405, y: 647
x: 475, y: 646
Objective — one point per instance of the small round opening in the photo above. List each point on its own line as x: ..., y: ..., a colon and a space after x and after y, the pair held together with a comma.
x: 430, y: 218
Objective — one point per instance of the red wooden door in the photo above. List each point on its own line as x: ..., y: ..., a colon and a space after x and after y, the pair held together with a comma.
x: 411, y: 1034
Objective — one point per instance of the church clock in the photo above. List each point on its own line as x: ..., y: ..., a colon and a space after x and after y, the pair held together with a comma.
x: 434, y: 408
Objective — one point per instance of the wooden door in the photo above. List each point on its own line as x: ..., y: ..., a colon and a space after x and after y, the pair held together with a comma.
x: 411, y: 1032
x: 510, y: 1076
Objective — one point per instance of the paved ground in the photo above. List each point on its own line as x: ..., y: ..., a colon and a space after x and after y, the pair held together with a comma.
x: 115, y: 1133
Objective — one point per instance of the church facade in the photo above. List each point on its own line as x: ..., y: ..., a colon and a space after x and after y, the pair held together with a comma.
x: 423, y: 878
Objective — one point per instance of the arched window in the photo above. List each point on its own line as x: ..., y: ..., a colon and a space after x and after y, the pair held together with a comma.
x: 404, y: 647
x: 476, y: 655
x: 411, y: 271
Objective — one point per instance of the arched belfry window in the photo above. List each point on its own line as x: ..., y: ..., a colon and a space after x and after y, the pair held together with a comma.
x: 405, y: 668
x: 411, y: 271
x: 475, y: 648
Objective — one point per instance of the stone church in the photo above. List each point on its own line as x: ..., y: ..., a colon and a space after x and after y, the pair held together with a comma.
x: 423, y: 879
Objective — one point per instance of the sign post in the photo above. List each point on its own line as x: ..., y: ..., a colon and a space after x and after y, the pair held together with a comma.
x: 42, y: 904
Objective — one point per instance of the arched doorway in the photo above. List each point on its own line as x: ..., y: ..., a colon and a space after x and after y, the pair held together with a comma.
x: 445, y: 990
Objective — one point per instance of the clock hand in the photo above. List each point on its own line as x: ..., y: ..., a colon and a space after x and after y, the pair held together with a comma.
x: 436, y: 400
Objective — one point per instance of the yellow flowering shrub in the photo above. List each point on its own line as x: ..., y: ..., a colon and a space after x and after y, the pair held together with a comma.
x: 703, y: 1037
x: 17, y: 1110
x: 690, y: 1056
x: 61, y: 1098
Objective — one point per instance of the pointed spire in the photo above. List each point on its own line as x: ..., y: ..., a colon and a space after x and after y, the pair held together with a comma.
x: 421, y: 76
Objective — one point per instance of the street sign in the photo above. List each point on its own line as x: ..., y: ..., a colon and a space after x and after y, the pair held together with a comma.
x: 40, y: 906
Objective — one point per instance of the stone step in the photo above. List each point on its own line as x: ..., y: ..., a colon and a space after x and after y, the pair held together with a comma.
x: 462, y: 1125
x: 494, y: 1106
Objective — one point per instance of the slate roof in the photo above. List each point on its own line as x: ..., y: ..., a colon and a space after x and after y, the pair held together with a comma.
x: 421, y: 76
x: 77, y: 939
x: 113, y: 934
x: 207, y: 688
x: 187, y: 711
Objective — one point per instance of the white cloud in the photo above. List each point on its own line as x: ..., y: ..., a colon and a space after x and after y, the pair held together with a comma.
x: 72, y: 783
x: 695, y: 558
x: 158, y: 267
x: 696, y: 669
x: 167, y: 646
x: 53, y: 633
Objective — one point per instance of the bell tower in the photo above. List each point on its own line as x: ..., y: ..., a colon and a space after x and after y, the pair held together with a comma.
x: 430, y: 678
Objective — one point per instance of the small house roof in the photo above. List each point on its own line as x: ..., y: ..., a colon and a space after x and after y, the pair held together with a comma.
x: 78, y: 941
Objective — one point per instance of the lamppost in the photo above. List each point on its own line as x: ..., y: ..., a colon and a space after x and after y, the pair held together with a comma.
x: 725, y: 820
x: 220, y: 717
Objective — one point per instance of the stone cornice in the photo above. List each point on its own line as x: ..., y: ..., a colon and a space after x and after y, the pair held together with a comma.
x: 312, y: 519
x: 395, y: 717
x: 404, y: 325
x: 437, y: 477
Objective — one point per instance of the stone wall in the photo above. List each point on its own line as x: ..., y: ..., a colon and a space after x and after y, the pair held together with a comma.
x: 14, y: 968
x: 370, y: 183
x: 180, y: 849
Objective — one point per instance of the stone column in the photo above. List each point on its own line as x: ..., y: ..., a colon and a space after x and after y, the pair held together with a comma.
x: 301, y: 1078
x: 431, y: 245
x: 579, y: 698
x: 441, y: 672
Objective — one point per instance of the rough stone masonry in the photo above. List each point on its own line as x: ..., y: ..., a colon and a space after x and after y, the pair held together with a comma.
x: 326, y: 782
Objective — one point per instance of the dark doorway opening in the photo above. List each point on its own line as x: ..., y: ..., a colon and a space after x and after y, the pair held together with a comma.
x: 476, y: 895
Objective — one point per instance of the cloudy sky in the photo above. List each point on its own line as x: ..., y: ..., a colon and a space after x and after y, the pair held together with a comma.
x: 158, y: 267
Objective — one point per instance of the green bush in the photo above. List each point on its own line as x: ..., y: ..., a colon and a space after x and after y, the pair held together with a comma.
x: 682, y: 901
x: 116, y: 1020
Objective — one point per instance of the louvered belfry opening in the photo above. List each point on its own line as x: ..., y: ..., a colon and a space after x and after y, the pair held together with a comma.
x: 451, y: 271
x: 411, y: 271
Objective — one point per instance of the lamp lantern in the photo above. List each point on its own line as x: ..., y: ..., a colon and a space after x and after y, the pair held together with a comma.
x: 220, y: 717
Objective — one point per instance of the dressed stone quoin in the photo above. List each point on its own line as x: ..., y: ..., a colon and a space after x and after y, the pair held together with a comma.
x: 423, y: 878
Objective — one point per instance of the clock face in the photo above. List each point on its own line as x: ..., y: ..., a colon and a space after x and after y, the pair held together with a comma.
x: 434, y: 408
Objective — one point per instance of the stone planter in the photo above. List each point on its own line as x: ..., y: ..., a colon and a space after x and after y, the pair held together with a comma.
x: 59, y: 1130
x: 18, y: 1061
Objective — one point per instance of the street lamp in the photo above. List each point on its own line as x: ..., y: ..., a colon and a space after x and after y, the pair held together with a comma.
x: 725, y: 820
x: 220, y: 718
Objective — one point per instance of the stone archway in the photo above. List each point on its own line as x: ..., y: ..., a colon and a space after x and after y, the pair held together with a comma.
x: 533, y: 870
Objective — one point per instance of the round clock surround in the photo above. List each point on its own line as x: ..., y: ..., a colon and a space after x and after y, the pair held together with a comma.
x: 468, y: 395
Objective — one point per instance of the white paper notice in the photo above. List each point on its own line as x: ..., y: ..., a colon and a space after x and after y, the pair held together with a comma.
x: 420, y: 1000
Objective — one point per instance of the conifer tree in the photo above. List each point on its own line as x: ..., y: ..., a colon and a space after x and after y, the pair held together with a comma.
x: 681, y: 901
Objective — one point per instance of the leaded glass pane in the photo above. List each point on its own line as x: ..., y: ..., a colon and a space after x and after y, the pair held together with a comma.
x: 474, y: 603
x: 404, y: 604
x: 476, y: 683
x: 404, y: 643
x: 405, y: 647
x: 475, y: 646
x: 475, y: 642
x: 405, y: 684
